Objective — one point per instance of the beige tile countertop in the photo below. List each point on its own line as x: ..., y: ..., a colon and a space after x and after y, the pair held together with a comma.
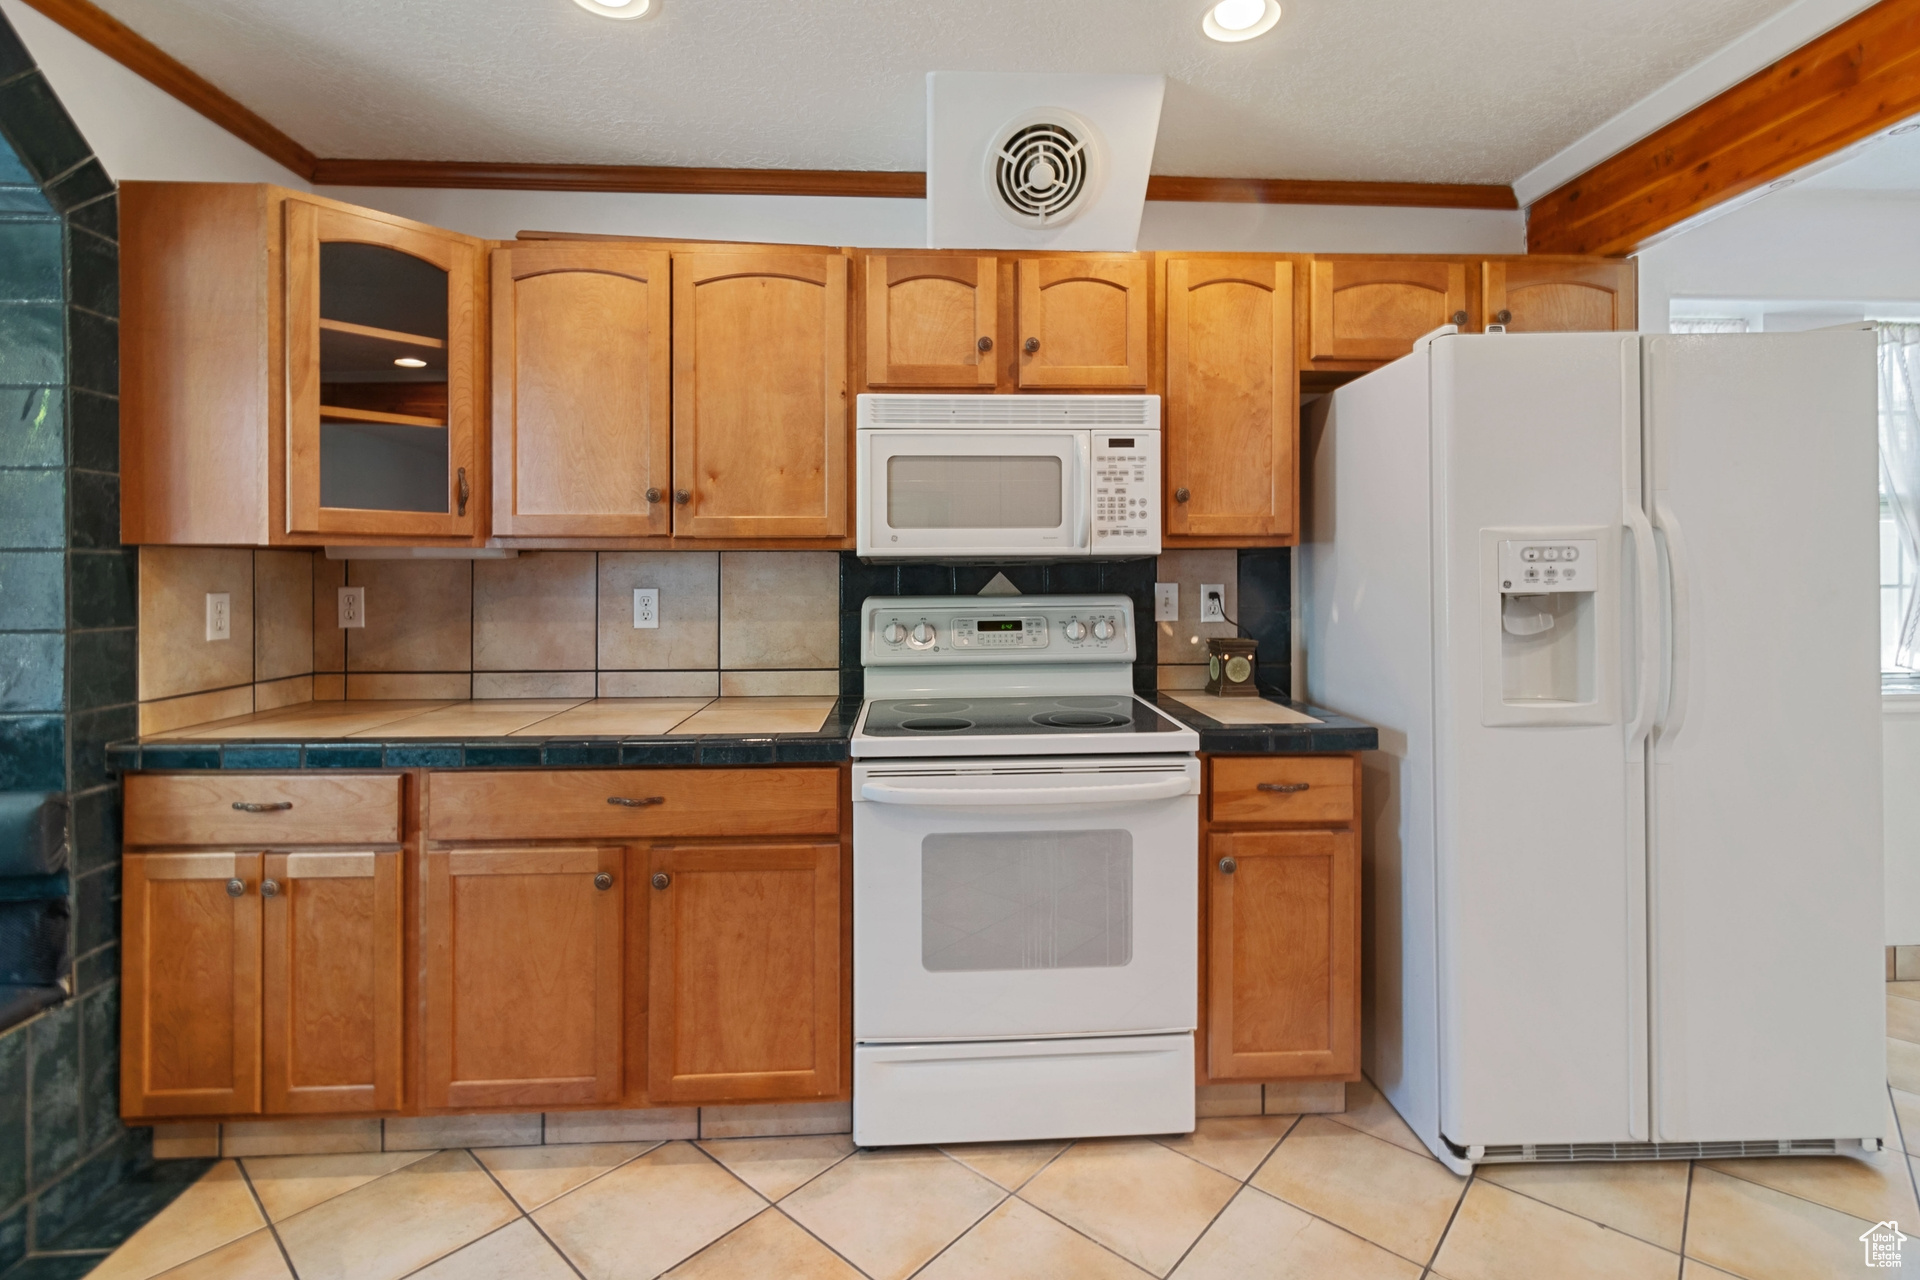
x: 516, y: 717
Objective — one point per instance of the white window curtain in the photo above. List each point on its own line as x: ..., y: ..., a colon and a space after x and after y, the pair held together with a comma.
x: 1707, y: 324
x: 1900, y: 462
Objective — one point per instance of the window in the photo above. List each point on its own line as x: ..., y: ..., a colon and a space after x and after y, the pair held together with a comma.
x: 1706, y: 324
x: 1899, y: 502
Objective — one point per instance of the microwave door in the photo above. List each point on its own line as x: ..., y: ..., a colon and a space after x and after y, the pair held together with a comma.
x: 982, y: 493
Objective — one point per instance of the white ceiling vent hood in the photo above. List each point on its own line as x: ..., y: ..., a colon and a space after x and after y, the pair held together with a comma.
x: 1025, y: 161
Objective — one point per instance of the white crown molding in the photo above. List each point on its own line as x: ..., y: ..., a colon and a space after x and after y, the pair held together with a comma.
x: 1766, y: 44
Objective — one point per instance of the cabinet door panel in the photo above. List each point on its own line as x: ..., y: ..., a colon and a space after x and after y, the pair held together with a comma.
x: 371, y: 450
x: 760, y: 395
x: 1088, y: 315
x: 1373, y: 309
x: 1283, y: 972
x: 190, y: 1003
x: 581, y: 380
x: 1558, y: 295
x: 744, y: 972
x: 926, y: 318
x: 1232, y: 407
x: 523, y: 975
x: 332, y: 986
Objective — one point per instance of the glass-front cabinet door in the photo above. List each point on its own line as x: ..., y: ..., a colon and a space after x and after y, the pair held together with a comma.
x: 381, y: 375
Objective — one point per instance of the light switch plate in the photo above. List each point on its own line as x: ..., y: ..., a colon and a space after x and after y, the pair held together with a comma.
x: 646, y: 607
x: 353, y: 606
x: 219, y: 615
x: 1166, y: 602
x: 1213, y: 602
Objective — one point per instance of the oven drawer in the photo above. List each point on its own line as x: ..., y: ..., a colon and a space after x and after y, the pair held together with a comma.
x: 602, y: 804
x: 1261, y: 789
x: 255, y: 809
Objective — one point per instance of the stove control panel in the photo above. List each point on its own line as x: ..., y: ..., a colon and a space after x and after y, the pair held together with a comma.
x: 922, y: 629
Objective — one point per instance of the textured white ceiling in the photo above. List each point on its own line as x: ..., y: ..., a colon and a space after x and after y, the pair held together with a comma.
x: 1385, y: 90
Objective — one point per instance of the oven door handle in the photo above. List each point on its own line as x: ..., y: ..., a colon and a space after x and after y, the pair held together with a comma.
x: 972, y: 797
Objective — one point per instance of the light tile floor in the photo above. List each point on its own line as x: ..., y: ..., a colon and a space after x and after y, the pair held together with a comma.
x: 1346, y: 1197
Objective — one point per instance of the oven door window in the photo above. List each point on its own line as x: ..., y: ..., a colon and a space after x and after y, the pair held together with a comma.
x: 1026, y: 900
x: 991, y: 491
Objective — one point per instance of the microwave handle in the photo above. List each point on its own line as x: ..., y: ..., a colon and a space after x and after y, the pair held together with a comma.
x: 1083, y: 518
x: 954, y: 797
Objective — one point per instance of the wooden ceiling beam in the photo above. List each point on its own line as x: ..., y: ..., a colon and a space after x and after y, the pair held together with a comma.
x: 1830, y: 93
x: 1420, y: 195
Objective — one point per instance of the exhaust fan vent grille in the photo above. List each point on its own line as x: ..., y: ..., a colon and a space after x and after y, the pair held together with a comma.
x: 1141, y: 412
x: 1044, y: 168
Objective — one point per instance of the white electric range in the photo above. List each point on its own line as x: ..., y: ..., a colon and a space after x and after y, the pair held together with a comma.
x: 1025, y: 898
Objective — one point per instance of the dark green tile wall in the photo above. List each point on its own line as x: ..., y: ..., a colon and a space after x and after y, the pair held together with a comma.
x: 73, y: 1179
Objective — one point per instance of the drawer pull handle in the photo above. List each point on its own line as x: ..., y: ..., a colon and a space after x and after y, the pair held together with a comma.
x: 1284, y: 787
x: 262, y: 806
x: 603, y: 881
x: 269, y: 888
x: 236, y: 888
x: 633, y: 802
x: 1228, y: 865
x: 661, y: 880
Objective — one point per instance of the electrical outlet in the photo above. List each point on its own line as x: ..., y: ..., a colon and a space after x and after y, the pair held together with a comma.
x: 353, y: 606
x: 1166, y: 602
x: 219, y: 615
x: 1213, y: 602
x: 646, y: 606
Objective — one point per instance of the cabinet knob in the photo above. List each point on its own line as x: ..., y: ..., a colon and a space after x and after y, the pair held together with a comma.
x: 653, y: 495
x: 1032, y: 345
x: 985, y: 344
x: 269, y: 888
x: 1228, y: 865
x: 636, y: 802
x: 1502, y: 316
x: 1459, y: 317
x: 463, y: 492
x: 602, y: 882
x: 262, y: 806
x: 682, y: 497
x: 661, y: 880
x: 1181, y: 495
x: 1287, y: 787
x: 236, y: 887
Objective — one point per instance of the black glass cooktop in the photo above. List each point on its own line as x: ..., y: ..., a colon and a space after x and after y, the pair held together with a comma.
x: 1012, y: 717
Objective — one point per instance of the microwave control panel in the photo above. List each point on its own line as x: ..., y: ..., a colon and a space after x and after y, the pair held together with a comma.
x: 1126, y: 493
x: 1065, y: 628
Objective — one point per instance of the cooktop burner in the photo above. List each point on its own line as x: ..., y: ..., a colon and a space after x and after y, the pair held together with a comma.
x: 1012, y: 717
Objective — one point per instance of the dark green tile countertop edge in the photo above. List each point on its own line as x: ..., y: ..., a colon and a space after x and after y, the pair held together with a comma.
x: 826, y: 746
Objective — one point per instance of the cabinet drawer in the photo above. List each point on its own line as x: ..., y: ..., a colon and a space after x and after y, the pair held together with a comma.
x: 253, y: 809
x: 1282, y: 789
x: 585, y: 804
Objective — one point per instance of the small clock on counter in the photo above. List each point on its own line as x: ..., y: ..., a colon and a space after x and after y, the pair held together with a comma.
x: 1230, y: 668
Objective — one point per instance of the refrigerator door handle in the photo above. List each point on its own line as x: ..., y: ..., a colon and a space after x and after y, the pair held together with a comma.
x: 1646, y: 555
x: 1681, y: 662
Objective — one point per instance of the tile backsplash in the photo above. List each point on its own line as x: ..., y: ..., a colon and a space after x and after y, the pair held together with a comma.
x: 559, y: 624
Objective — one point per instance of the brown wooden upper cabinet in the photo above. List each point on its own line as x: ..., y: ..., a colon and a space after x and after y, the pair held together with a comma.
x: 581, y: 390
x: 744, y: 984
x: 1083, y: 322
x: 1232, y: 400
x: 1549, y: 294
x: 295, y: 370
x: 1372, y: 309
x: 932, y: 321
x: 523, y: 964
x: 760, y: 430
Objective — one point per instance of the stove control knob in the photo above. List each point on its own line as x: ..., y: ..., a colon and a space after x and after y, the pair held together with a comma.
x: 923, y: 633
x: 1103, y: 630
x: 893, y: 633
x: 1076, y: 630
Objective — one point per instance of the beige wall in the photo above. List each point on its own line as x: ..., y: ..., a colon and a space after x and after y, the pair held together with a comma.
x: 543, y: 625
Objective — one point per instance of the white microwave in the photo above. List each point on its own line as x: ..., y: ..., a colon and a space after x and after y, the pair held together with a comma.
x: 1007, y: 477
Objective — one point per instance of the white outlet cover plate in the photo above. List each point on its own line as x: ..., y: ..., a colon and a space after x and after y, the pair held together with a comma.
x: 219, y: 615
x: 353, y: 607
x: 1166, y: 602
x: 1212, y: 610
x: 646, y: 607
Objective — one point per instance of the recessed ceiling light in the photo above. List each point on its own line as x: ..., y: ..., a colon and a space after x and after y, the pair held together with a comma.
x: 411, y: 362
x: 1234, y: 20
x: 618, y: 8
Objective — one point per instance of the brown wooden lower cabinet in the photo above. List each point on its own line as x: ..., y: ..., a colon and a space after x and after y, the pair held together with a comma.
x: 745, y: 972
x: 1280, y: 943
x: 522, y: 974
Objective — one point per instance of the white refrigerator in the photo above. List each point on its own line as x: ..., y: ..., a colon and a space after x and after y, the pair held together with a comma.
x: 1612, y: 601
